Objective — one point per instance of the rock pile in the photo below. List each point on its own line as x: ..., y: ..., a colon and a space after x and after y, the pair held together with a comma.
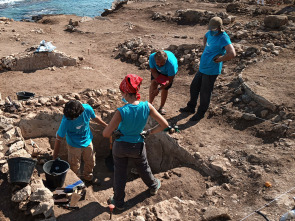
x: 5, y: 20
x: 102, y: 100
x: 33, y: 198
x: 135, y: 51
x: 30, y: 61
x: 177, y: 209
x: 192, y: 17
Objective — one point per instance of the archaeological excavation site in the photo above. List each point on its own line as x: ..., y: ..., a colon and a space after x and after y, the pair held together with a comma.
x: 236, y: 163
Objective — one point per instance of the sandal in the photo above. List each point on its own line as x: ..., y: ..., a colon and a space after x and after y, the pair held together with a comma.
x: 162, y: 111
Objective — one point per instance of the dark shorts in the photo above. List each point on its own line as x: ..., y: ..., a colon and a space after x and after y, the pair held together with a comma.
x: 167, y: 88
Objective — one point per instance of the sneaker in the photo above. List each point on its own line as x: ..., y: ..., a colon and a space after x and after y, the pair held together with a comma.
x: 162, y: 111
x: 112, y: 201
x: 155, y: 191
x: 187, y: 110
x: 196, y: 117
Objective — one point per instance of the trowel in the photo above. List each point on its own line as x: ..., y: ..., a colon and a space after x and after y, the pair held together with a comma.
x: 35, y: 148
x: 74, y: 199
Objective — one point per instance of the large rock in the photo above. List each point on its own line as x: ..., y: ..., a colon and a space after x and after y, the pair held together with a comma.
x: 41, y: 195
x: 214, y: 213
x: 36, y: 61
x: 172, y: 209
x: 40, y: 125
x: 22, y: 194
x: 20, y: 153
x: 191, y: 16
x: 275, y: 21
x: 15, y: 147
x: 44, y: 207
x: 233, y: 7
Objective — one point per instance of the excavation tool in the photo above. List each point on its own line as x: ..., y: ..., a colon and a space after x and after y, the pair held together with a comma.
x: 111, y: 206
x: 74, y: 199
x: 172, y: 129
x: 109, y: 160
x: 35, y: 148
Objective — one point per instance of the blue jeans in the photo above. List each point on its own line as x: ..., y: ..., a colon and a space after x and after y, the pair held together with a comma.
x: 202, y: 84
x: 122, y: 152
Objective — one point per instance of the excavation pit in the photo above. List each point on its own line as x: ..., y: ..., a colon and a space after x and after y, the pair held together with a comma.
x: 163, y: 151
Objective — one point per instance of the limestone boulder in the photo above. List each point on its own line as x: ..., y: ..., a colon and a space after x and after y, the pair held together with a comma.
x: 22, y: 194
x: 216, y: 213
x: 40, y: 125
x: 31, y: 61
x: 41, y: 195
x: 275, y: 21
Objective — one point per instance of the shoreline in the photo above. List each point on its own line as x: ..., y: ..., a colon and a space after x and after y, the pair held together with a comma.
x: 115, y: 4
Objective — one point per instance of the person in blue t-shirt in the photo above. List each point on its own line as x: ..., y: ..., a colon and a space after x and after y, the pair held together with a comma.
x: 218, y: 48
x: 75, y: 126
x: 164, y: 67
x: 130, y: 121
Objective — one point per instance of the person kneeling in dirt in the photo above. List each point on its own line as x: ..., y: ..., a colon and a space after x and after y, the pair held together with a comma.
x: 164, y: 67
x: 75, y: 126
x: 131, y: 120
x: 218, y: 48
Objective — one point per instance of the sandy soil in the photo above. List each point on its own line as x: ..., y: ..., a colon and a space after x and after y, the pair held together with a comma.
x: 255, y: 151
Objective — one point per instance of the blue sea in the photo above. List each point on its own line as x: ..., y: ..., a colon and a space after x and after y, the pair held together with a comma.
x: 25, y: 9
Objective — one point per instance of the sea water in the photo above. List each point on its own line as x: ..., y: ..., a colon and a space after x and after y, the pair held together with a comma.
x: 25, y: 9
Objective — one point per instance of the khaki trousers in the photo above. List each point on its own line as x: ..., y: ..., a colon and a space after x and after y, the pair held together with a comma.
x: 74, y: 157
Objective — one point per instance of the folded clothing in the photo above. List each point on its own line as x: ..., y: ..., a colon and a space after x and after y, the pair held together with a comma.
x: 162, y: 79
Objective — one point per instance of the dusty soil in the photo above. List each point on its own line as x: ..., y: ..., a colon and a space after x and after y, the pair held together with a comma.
x: 255, y: 151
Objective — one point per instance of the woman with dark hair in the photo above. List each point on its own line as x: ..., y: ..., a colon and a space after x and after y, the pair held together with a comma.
x: 75, y: 126
x: 130, y: 121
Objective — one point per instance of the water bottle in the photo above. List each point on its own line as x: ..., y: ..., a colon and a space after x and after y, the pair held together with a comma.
x: 290, y: 215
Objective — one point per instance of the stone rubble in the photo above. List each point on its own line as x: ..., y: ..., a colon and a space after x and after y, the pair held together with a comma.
x: 137, y: 52
x: 166, y: 210
x: 30, y: 61
x: 15, y: 147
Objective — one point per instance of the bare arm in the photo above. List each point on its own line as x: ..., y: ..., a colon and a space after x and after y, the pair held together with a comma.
x: 162, y: 122
x: 154, y: 72
x: 57, y: 146
x: 107, y: 132
x: 98, y: 120
x: 230, y: 54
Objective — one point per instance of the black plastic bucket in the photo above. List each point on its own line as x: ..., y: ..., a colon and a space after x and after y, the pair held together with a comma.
x: 24, y: 95
x: 21, y: 170
x: 55, y: 173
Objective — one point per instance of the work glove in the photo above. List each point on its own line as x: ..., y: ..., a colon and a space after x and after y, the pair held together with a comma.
x: 117, y: 134
x: 145, y: 133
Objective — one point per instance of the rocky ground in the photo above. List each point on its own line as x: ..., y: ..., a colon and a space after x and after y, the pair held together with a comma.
x: 216, y: 169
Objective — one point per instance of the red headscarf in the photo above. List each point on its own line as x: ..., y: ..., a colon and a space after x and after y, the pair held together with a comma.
x: 131, y: 85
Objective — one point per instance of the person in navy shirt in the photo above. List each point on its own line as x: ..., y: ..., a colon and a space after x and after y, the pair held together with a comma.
x: 75, y: 127
x: 218, y: 48
x: 164, y: 67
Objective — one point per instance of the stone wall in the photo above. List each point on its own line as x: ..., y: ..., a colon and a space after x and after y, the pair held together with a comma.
x: 34, y: 198
x: 31, y: 61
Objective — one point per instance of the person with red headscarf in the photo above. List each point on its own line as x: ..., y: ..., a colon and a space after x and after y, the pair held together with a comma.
x: 130, y: 121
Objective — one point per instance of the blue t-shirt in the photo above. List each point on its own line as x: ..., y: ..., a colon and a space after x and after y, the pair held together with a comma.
x: 214, y: 46
x: 170, y: 68
x: 77, y: 131
x: 134, y: 118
